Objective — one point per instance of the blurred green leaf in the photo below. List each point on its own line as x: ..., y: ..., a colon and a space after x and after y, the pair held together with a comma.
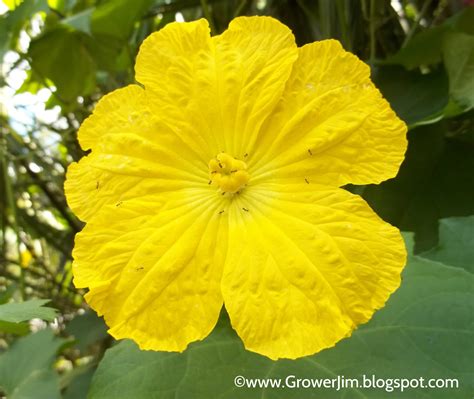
x: 462, y: 20
x: 23, y: 311
x: 111, y: 24
x: 78, y: 386
x: 116, y: 18
x: 62, y: 56
x: 6, y: 295
x: 458, y: 54
x: 87, y: 329
x: 14, y: 328
x: 456, y: 243
x: 26, y: 368
x: 425, y: 330
x: 4, y: 36
x: 80, y: 21
x: 414, y: 97
x: 106, y: 51
x: 425, y: 47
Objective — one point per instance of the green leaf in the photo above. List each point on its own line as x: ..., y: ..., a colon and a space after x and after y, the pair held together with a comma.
x: 78, y: 382
x: 87, y: 329
x: 111, y: 25
x: 62, y: 56
x: 41, y: 384
x: 105, y: 51
x: 80, y: 21
x: 414, y: 97
x: 116, y: 19
x: 458, y: 54
x: 425, y: 330
x: 462, y: 21
x: 26, y: 368
x: 14, y: 328
x: 435, y: 181
x: 456, y: 243
x: 4, y: 36
x: 425, y: 48
x: 23, y: 311
x: 7, y: 294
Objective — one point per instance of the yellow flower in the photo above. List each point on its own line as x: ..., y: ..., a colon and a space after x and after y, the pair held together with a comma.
x: 219, y: 183
x: 25, y: 257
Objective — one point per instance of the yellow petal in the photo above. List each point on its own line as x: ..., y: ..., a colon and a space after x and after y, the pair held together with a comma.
x: 305, y: 267
x: 134, y: 154
x: 332, y: 125
x: 221, y: 89
x: 130, y: 162
x: 115, y: 111
x: 153, y: 267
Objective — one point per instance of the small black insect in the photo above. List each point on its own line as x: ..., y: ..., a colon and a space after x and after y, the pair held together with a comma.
x: 245, y: 209
x: 306, y: 180
x: 310, y: 152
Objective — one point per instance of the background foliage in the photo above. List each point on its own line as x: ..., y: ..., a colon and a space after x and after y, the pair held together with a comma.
x: 61, y: 56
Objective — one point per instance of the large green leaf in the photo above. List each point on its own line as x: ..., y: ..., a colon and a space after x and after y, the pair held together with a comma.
x: 111, y: 24
x: 425, y: 47
x: 424, y: 331
x: 80, y: 21
x: 23, y: 311
x: 26, y: 368
x: 458, y: 54
x: 61, y: 55
x: 456, y: 243
x: 435, y: 181
x: 415, y: 97
x: 116, y: 18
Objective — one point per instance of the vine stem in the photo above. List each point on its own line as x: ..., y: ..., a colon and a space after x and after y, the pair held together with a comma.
x: 10, y: 200
x: 207, y: 14
x: 415, y: 25
x: 240, y: 8
x: 372, y: 32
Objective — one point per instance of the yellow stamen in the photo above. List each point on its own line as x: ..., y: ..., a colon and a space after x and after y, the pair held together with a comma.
x: 228, y: 173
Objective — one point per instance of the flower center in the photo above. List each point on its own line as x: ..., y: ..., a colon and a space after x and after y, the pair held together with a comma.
x: 228, y: 173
